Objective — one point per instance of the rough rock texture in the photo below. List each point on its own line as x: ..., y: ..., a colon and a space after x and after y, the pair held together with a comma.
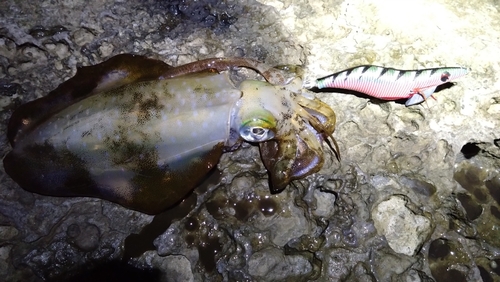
x: 404, y: 231
x: 438, y: 163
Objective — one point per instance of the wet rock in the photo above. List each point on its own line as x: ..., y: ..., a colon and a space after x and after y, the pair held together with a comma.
x: 82, y: 36
x: 178, y: 268
x: 60, y: 50
x: 419, y: 186
x: 5, y: 257
x: 447, y: 261
x: 404, y: 230
x: 487, y: 268
x: 387, y: 149
x: 388, y: 266
x: 472, y: 209
x: 271, y: 265
x: 202, y: 246
x: 480, y: 203
x: 8, y: 233
x: 7, y: 48
x: 361, y: 274
x: 85, y: 236
x: 325, y: 204
x: 106, y: 49
x: 173, y: 267
x: 283, y: 229
x: 340, y: 263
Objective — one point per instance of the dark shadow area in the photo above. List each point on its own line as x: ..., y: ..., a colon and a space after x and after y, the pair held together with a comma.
x: 110, y: 271
x: 137, y: 244
x: 180, y: 14
x: 470, y: 150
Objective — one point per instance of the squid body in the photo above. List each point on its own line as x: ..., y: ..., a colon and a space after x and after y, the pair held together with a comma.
x: 143, y: 134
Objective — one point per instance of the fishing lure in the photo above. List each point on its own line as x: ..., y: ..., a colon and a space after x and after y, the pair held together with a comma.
x: 390, y: 84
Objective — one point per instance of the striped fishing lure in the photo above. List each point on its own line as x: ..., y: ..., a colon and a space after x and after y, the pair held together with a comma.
x: 390, y: 84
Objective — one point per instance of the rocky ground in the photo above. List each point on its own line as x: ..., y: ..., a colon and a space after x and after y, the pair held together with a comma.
x: 416, y: 196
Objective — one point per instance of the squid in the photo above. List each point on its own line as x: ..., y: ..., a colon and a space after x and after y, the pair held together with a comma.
x: 143, y: 134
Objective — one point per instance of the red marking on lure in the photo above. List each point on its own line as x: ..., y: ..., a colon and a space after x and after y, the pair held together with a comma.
x: 391, y: 84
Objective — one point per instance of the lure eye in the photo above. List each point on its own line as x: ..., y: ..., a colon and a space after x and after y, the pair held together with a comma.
x: 445, y: 76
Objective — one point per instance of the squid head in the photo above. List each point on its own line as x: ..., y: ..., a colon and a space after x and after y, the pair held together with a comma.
x: 289, y: 128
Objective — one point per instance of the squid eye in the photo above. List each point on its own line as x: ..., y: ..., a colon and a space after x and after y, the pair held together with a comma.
x: 256, y: 133
x: 258, y: 126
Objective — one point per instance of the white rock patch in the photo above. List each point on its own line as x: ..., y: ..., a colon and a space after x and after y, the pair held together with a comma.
x: 404, y: 230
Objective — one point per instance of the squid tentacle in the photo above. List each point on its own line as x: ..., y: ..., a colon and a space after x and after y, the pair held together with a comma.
x: 322, y: 118
x: 272, y: 75
x: 278, y: 156
x: 321, y: 111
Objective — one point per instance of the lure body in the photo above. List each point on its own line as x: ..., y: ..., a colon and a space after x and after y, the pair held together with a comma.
x: 391, y: 84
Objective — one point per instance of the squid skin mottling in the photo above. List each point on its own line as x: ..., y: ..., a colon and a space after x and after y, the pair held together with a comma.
x: 133, y: 143
x: 119, y: 70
